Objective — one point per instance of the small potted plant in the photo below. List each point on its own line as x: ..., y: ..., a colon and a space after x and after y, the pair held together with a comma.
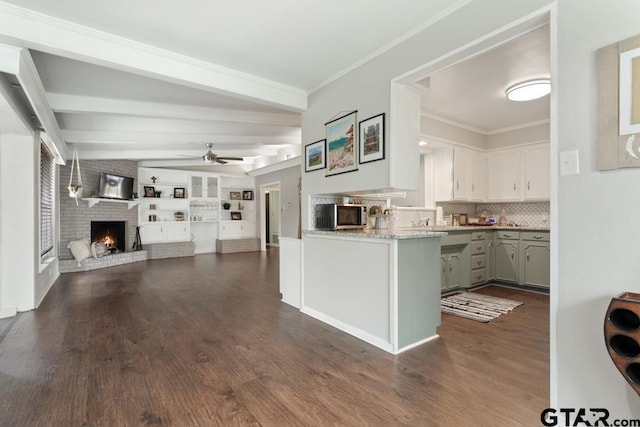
x: 226, y: 205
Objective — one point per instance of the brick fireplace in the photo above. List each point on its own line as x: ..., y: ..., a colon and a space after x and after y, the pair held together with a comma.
x: 75, y: 220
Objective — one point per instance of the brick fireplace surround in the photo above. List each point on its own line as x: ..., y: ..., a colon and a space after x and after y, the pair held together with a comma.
x: 75, y: 221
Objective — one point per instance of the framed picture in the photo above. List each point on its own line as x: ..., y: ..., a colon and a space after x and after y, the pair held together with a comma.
x: 371, y: 147
x: 315, y: 155
x: 341, y: 144
x: 247, y: 195
x: 149, y: 191
x: 178, y: 193
x: 236, y: 216
x: 234, y: 195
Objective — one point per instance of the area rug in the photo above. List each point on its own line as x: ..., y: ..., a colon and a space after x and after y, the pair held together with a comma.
x: 482, y: 308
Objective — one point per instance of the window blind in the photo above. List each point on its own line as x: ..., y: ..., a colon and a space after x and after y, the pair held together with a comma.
x: 47, y: 181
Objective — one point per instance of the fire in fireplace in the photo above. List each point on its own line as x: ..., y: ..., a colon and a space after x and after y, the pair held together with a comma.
x: 111, y: 233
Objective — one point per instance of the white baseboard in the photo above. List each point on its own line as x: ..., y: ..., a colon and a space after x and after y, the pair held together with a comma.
x: 416, y: 344
x: 358, y: 333
x: 7, y: 312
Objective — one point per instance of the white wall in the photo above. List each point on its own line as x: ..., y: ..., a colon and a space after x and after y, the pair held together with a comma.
x: 18, y: 223
x: 289, y: 199
x: 597, y: 243
x: 367, y: 88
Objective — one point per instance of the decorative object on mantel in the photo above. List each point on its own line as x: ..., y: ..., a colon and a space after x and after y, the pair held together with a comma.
x: 341, y: 144
x: 479, y: 307
x: 75, y: 190
x: 226, y: 206
x: 622, y: 336
x: 315, y: 155
x: 618, y: 67
x: 372, y: 139
x: 149, y: 191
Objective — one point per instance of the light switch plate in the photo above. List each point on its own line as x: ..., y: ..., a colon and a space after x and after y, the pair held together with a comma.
x: 569, y: 163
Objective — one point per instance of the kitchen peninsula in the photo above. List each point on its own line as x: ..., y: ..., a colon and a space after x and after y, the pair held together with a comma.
x: 381, y: 286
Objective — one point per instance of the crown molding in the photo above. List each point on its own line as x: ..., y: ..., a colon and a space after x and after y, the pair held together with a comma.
x: 452, y: 122
x: 480, y: 131
x: 32, y: 29
x: 519, y: 127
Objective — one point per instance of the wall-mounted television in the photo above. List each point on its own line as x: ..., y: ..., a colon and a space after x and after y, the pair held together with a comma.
x: 115, y: 186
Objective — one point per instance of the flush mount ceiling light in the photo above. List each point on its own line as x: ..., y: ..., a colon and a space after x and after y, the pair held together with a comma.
x: 531, y: 89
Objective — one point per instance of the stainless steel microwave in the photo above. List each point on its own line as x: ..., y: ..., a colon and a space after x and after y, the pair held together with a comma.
x: 332, y: 216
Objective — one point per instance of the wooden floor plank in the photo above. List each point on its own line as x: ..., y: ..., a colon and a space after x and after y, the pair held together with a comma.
x: 204, y: 340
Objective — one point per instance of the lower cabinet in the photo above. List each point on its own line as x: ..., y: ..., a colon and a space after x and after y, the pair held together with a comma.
x: 237, y: 229
x: 535, y: 259
x: 454, y: 260
x: 164, y: 232
x: 451, y: 263
x: 506, y: 256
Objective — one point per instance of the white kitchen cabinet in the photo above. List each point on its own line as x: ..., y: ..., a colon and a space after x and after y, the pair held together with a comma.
x: 458, y: 174
x: 536, y: 172
x: 503, y: 184
x: 477, y: 176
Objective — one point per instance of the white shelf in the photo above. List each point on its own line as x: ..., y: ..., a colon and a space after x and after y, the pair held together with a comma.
x: 95, y: 200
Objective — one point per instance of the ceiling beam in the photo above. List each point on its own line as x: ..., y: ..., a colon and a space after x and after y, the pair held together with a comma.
x: 35, y: 30
x: 18, y: 61
x: 135, y: 153
x: 65, y: 103
x: 146, y: 138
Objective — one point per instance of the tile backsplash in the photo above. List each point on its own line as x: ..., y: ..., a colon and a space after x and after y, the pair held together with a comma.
x: 535, y: 214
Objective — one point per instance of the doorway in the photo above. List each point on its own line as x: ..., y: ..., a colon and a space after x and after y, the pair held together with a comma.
x: 270, y: 215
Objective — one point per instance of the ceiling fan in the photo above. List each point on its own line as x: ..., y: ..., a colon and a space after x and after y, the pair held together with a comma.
x: 211, y: 157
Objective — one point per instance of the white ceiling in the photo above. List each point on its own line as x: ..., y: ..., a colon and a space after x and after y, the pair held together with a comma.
x: 156, y: 80
x: 471, y: 93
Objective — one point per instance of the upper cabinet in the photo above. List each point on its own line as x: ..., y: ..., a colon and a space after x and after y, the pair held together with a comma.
x: 509, y: 175
x: 458, y: 174
x: 521, y: 174
x: 203, y: 186
x: 536, y: 160
x: 503, y: 183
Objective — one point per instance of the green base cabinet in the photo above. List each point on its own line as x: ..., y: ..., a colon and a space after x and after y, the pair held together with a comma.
x: 506, y: 256
x: 535, y: 255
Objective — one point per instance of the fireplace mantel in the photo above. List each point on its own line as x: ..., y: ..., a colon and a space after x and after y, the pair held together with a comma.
x: 95, y: 200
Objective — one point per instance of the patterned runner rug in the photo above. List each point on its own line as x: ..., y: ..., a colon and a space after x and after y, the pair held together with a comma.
x: 482, y: 308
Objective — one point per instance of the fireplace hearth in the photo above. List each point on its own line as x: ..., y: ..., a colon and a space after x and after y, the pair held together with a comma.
x: 111, y: 233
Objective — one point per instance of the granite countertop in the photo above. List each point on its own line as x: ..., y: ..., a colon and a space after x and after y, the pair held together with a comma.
x: 416, y: 232
x: 488, y: 228
x: 398, y: 234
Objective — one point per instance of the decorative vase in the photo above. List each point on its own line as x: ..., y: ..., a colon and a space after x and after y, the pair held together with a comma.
x: 622, y: 336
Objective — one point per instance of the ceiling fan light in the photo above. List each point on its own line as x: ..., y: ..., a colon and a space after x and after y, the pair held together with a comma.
x: 208, y: 157
x: 529, y: 90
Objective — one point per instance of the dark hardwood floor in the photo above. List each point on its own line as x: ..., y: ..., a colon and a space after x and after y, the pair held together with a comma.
x: 205, y: 341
